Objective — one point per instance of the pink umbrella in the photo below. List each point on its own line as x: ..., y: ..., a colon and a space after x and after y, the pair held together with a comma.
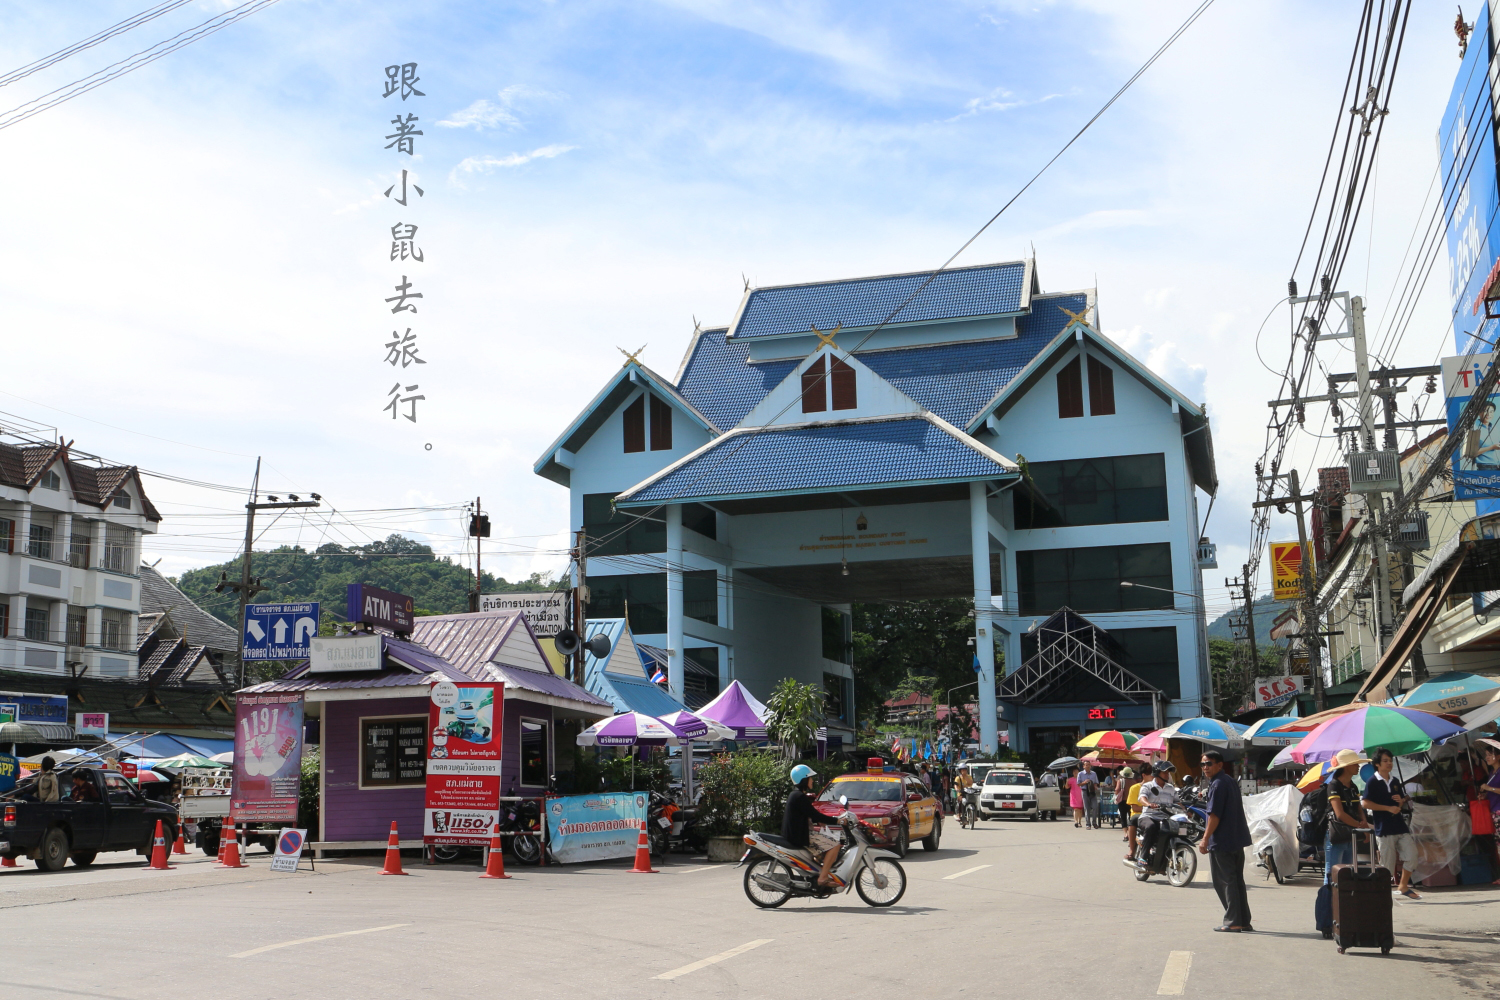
x: 1151, y: 743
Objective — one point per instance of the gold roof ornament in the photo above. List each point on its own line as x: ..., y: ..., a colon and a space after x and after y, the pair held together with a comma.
x: 826, y: 339
x: 629, y: 357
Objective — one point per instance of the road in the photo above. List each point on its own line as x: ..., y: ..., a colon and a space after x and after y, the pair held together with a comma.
x: 1013, y: 909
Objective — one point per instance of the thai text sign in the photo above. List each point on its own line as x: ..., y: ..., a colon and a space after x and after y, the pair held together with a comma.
x: 339, y: 654
x: 91, y: 723
x: 1286, y: 571
x: 547, y: 612
x: 289, y: 846
x: 463, y: 763
x: 595, y: 827
x: 267, y: 758
x: 1273, y: 691
x: 10, y: 771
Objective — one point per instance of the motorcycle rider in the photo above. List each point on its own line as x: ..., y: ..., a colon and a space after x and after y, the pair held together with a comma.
x: 1157, y: 796
x: 961, y: 784
x: 800, y: 818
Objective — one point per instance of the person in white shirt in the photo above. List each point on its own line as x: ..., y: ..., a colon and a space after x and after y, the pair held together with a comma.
x: 1157, y: 797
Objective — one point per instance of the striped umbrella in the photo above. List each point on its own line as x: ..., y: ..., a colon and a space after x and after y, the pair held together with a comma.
x: 1108, y: 739
x: 1400, y: 730
x: 1152, y: 742
x: 628, y: 730
x: 693, y: 728
x: 1204, y: 730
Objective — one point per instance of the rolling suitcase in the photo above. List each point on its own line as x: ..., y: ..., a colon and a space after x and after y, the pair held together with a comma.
x: 1362, y: 907
x: 1323, y: 912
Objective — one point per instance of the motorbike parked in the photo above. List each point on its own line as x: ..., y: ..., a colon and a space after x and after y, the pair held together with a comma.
x: 1177, y: 849
x: 778, y: 871
x: 671, y: 827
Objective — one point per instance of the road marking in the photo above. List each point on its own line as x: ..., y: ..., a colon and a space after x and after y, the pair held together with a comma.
x: 1174, y: 976
x: 688, y: 871
x: 320, y: 937
x: 966, y: 871
x: 713, y: 960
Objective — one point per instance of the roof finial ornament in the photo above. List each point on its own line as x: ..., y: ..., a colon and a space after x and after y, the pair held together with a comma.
x: 745, y: 280
x: 629, y: 357
x: 826, y: 339
x: 1077, y: 317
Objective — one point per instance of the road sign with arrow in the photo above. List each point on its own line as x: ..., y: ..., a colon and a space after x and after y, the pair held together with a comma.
x: 279, y: 631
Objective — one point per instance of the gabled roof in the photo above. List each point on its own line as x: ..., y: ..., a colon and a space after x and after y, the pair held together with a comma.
x: 860, y: 303
x: 475, y: 640
x: 23, y: 465
x: 630, y: 377
x: 822, y: 457
x: 160, y: 596
x: 619, y: 677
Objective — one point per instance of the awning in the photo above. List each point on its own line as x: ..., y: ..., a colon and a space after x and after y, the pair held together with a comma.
x: 36, y: 732
x: 1419, y: 618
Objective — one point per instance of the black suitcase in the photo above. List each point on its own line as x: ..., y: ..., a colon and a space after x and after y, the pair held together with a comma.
x: 1362, y: 907
x: 1323, y: 911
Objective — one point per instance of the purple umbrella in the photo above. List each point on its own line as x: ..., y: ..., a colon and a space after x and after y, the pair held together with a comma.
x: 694, y: 728
x: 1400, y: 730
x: 628, y: 730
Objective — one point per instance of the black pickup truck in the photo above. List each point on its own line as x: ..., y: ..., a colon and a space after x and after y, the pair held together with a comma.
x: 107, y: 813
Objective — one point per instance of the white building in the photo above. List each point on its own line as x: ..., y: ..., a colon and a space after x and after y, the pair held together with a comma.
x: 70, y: 542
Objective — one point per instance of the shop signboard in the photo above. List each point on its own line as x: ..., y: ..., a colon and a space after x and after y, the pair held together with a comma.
x: 384, y: 608
x: 463, y: 763
x: 1286, y: 571
x: 1271, y: 692
x: 1476, y: 460
x: 130, y: 769
x: 91, y: 723
x: 342, y: 654
x: 595, y: 827
x: 267, y: 758
x: 10, y: 772
x: 547, y: 612
x: 288, y: 850
x: 21, y: 707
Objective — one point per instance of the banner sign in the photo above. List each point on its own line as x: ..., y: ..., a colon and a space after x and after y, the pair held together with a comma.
x: 91, y: 723
x: 1286, y: 571
x: 130, y: 769
x: 1273, y: 691
x: 342, y: 654
x: 10, y: 772
x: 547, y: 612
x: 384, y: 608
x: 288, y: 850
x: 21, y: 707
x: 1476, y: 460
x: 267, y: 758
x: 595, y: 827
x: 463, y: 763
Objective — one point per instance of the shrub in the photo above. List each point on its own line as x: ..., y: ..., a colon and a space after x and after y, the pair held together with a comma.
x: 748, y: 789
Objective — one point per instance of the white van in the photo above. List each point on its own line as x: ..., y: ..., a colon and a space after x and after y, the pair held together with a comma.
x: 1010, y: 790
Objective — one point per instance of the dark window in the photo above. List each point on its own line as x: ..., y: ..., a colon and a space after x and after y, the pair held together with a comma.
x: 701, y: 519
x: 393, y: 751
x: 1088, y: 579
x: 534, y: 753
x: 614, y: 533
x: 645, y: 595
x: 76, y: 630
x: 635, y: 425
x: 123, y: 501
x: 661, y: 425
x: 1118, y: 490
x: 51, y: 481
x: 700, y: 595
x: 1151, y: 654
x: 1070, y: 390
x: 7, y: 535
x: 41, y: 541
x: 36, y: 624
x: 700, y: 676
x: 1101, y: 388
x: 836, y: 697
x: 4, y: 620
x: 814, y: 389
x: 843, y: 391
x: 835, y: 636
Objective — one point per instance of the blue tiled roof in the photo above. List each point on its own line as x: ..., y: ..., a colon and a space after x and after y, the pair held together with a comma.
x: 632, y: 694
x: 952, y: 380
x: 961, y: 293
x: 820, y: 457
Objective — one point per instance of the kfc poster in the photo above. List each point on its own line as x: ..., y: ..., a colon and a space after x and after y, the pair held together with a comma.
x: 463, y: 763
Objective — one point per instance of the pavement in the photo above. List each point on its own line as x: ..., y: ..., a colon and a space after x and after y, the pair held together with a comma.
x: 1012, y: 908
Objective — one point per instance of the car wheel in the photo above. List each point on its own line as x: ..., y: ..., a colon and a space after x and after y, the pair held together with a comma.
x: 54, y: 852
x: 903, y: 840
x: 211, y: 843
x: 930, y: 842
x: 84, y: 858
x: 1035, y: 815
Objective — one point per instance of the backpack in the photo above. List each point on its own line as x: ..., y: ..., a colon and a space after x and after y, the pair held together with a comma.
x: 1315, y: 813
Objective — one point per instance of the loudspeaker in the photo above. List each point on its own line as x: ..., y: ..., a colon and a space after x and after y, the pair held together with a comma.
x: 566, y: 642
x: 599, y: 646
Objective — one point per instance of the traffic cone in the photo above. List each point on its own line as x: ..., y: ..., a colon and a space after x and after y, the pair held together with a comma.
x: 179, y: 846
x: 494, y: 866
x: 232, y: 850
x: 8, y: 863
x: 159, y: 851
x: 643, y: 854
x: 225, y: 830
x: 392, y: 855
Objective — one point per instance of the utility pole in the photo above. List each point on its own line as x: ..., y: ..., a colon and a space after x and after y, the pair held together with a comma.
x: 479, y: 529
x: 1309, y: 630
x: 580, y: 598
x: 1246, y: 590
x: 245, y: 587
x: 1374, y: 502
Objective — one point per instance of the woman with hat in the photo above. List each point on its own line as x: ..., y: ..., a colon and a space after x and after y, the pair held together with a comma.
x: 1345, y: 812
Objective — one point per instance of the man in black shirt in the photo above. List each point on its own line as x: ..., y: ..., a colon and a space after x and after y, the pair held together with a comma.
x: 1224, y: 841
x: 801, y: 817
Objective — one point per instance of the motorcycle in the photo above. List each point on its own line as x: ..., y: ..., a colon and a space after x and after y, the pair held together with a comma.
x: 671, y: 827
x: 968, y: 816
x: 1177, y: 847
x: 526, y: 819
x: 778, y: 871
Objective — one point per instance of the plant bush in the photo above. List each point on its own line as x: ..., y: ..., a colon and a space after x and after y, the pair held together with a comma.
x: 748, y: 789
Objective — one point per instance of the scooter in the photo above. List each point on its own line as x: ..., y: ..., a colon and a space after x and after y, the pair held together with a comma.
x: 778, y: 871
x: 1177, y: 848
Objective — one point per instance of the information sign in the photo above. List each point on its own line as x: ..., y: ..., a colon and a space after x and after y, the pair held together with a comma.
x: 91, y: 723
x: 384, y: 608
x: 394, y: 751
x: 463, y: 763
x: 341, y: 654
x: 279, y: 631
x: 267, y: 757
x: 595, y: 827
x: 288, y: 850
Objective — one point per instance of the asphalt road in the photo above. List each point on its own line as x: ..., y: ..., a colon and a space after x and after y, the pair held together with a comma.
x: 1012, y: 909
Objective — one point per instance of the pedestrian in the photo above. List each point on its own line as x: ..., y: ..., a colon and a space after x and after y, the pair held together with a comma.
x: 1224, y: 841
x: 1383, y: 802
x: 1122, y: 803
x: 1049, y: 779
x: 1345, y: 813
x: 46, y: 782
x: 1089, y: 782
x: 1490, y: 790
x: 1075, y: 797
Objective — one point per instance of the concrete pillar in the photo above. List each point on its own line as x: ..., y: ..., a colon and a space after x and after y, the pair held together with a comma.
x: 17, y: 617
x: 93, y: 626
x: 979, y: 531
x: 23, y: 528
x: 675, y: 679
x: 97, y: 534
x: 63, y: 536
x: 57, y: 621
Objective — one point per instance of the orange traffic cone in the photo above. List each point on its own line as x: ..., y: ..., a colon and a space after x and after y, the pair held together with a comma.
x: 179, y: 846
x: 643, y: 854
x: 224, y: 832
x: 8, y: 863
x: 159, y: 851
x: 232, y: 850
x: 392, y: 855
x: 494, y: 866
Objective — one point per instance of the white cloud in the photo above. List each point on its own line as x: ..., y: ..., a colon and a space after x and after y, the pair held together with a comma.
x: 998, y: 99
x: 482, y: 114
x: 484, y: 164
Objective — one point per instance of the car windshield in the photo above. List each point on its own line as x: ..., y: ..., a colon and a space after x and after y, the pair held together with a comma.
x: 1007, y: 778
x: 863, y: 791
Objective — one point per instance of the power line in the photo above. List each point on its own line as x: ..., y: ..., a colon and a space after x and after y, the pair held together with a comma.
x: 133, y: 21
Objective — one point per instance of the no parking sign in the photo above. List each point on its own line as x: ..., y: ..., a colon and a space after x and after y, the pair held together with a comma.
x: 288, y: 850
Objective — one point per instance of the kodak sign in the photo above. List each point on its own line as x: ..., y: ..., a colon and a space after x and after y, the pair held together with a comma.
x: 1286, y: 571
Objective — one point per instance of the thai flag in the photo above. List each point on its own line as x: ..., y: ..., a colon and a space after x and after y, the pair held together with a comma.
x: 660, y: 677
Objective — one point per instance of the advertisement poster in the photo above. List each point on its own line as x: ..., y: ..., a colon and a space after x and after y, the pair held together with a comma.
x: 595, y: 827
x: 91, y: 723
x: 1286, y: 571
x: 1476, y: 460
x: 267, y: 758
x: 463, y: 763
x: 1271, y: 692
x: 10, y: 772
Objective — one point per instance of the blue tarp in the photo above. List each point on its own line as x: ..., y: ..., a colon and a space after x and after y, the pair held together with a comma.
x: 162, y: 745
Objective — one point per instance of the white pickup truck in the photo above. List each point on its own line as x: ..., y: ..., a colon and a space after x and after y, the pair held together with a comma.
x: 1010, y: 790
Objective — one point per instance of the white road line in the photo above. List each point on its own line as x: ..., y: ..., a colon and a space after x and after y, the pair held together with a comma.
x: 320, y: 937
x: 688, y: 871
x: 1174, y: 976
x: 966, y: 871
x: 713, y: 960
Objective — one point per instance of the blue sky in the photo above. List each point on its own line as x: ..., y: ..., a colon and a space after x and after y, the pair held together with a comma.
x: 197, y: 251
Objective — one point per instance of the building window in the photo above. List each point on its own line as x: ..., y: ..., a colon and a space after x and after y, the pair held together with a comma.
x: 842, y: 391
x: 1151, y: 654
x: 645, y: 597
x: 1088, y: 579
x: 118, y: 550
x: 814, y: 391
x: 700, y: 674
x: 534, y: 753
x: 1117, y: 490
x: 393, y: 752
x: 50, y: 481
x: 78, y: 551
x: 123, y: 501
x: 76, y: 630
x: 36, y: 624
x: 1101, y: 388
x: 661, y: 425
x: 1070, y: 390
x: 701, y: 519
x: 4, y: 620
x: 7, y: 535
x: 615, y: 533
x: 836, y: 636
x: 829, y: 383
x: 836, y: 697
x: 109, y: 634
x: 41, y: 542
x: 635, y: 425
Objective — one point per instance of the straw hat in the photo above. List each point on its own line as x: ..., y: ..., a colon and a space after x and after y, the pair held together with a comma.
x: 1344, y: 758
x: 1126, y: 772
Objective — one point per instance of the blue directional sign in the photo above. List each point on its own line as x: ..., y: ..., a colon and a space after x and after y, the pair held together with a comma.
x: 279, y: 631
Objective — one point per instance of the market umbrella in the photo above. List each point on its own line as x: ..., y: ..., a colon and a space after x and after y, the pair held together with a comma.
x: 227, y: 757
x: 1316, y: 775
x: 187, y: 760
x: 694, y: 728
x: 1455, y: 691
x: 1063, y: 763
x: 628, y: 730
x: 1113, y: 758
x: 1152, y: 742
x: 1108, y: 739
x: 1205, y: 730
x: 1259, y: 734
x: 149, y: 777
x: 738, y: 709
x: 1401, y: 730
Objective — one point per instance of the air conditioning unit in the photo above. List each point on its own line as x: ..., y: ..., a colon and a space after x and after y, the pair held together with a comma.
x: 1374, y: 471
x: 1411, y: 532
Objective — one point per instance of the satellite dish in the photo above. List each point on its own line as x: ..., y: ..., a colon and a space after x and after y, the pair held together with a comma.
x: 599, y: 646
x: 566, y: 642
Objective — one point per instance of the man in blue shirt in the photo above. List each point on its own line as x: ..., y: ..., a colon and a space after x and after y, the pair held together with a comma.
x: 1224, y: 841
x: 1383, y: 801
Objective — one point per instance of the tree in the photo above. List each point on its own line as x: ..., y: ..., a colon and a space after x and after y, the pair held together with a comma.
x: 1234, y: 677
x: 918, y: 645
x: 796, y: 711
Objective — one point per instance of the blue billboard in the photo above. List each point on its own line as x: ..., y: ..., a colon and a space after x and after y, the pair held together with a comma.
x: 1471, y: 195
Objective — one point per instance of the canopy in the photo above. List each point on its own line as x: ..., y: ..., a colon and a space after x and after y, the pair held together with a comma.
x: 1205, y: 730
x: 694, y: 728
x: 187, y: 760
x: 628, y: 730
x: 1152, y: 742
x: 1401, y: 730
x: 737, y: 708
x: 1455, y: 691
x: 70, y: 757
x: 1260, y: 733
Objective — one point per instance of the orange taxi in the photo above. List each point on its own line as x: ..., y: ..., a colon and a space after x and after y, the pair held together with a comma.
x: 897, y: 806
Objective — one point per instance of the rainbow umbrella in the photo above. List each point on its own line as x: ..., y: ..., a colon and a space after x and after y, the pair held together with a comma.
x: 1400, y: 730
x: 1315, y: 776
x: 1108, y: 739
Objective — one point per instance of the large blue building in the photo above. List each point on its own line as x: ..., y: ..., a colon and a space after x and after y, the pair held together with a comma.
x: 985, y: 442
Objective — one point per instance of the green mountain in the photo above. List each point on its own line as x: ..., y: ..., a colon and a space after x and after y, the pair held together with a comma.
x: 1266, y: 609
x: 291, y: 573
